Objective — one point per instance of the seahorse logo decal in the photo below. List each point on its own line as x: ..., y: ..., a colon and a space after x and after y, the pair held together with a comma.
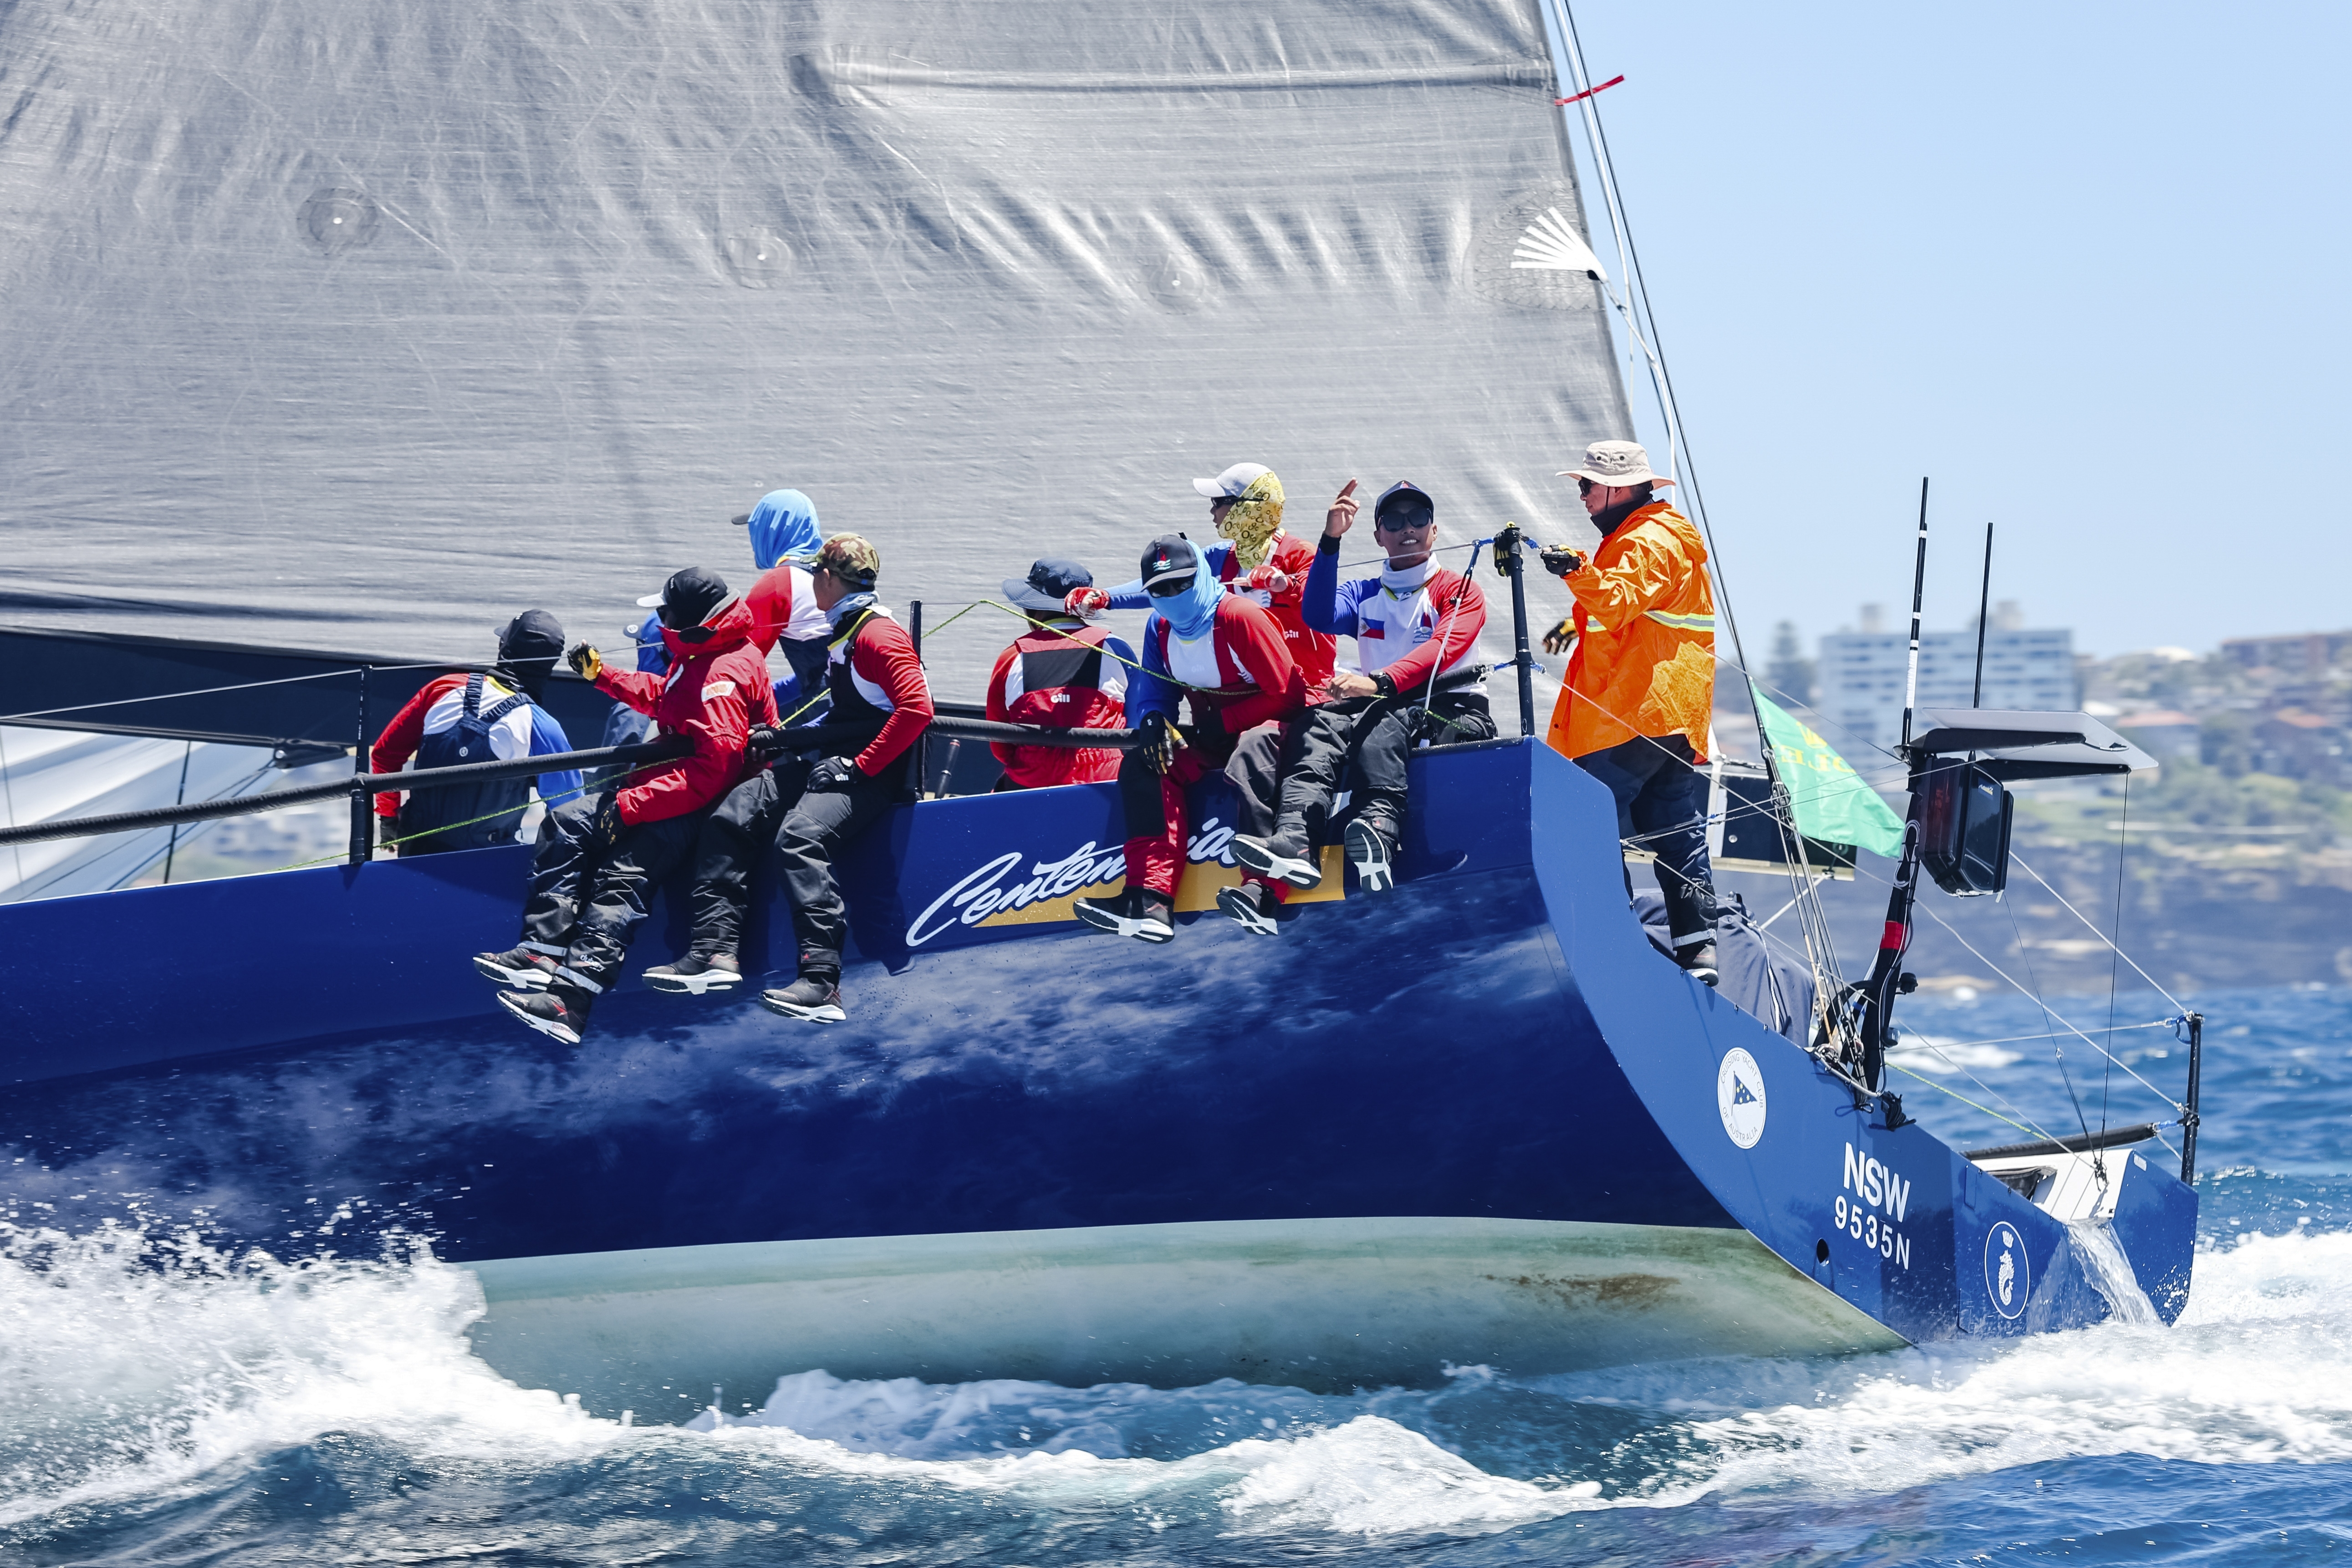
x: 2009, y: 1273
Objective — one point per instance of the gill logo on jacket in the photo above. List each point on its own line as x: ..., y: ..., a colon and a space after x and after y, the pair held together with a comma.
x: 714, y: 690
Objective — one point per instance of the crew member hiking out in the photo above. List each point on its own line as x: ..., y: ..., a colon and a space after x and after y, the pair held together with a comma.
x: 1416, y: 626
x: 1060, y: 674
x: 782, y: 532
x: 464, y: 718
x: 812, y: 806
x: 1226, y: 657
x: 1634, y: 708
x: 1259, y: 561
x: 600, y: 856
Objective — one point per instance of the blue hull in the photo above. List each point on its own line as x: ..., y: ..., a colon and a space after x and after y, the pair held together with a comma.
x: 308, y: 1060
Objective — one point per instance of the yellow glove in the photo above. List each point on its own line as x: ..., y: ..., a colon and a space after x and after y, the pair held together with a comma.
x: 586, y: 662
x: 1556, y: 640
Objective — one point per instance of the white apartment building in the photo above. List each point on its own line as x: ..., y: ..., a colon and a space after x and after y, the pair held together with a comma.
x: 1860, y: 695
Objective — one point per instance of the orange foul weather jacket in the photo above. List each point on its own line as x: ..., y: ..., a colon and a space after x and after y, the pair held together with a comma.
x: 1643, y: 660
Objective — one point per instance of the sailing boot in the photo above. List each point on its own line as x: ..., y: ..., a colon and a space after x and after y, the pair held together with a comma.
x: 1371, y: 850
x: 816, y: 996
x: 1698, y: 962
x: 560, y: 1012
x: 1253, y: 906
x: 697, y: 974
x: 1134, y: 913
x: 1286, y: 857
x: 525, y: 968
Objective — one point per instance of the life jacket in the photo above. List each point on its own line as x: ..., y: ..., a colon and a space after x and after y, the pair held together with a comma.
x: 1063, y: 679
x: 858, y: 708
x: 451, y: 816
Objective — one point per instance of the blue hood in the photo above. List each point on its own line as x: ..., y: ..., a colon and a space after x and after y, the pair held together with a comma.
x: 783, y: 524
x: 1191, y: 613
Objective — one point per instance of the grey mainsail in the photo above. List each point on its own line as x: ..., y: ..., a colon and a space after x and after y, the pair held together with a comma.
x: 364, y: 326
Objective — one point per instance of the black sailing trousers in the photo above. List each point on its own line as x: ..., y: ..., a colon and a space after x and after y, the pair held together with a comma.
x: 809, y: 829
x: 734, y: 837
x: 1364, y: 745
x: 1662, y: 807
x: 590, y: 890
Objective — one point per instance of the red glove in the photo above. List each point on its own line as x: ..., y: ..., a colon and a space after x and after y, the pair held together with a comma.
x: 1268, y: 579
x: 1085, y: 601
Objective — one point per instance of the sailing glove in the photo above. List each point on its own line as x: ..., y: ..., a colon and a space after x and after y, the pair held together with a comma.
x: 1556, y: 640
x: 1161, y: 741
x: 1085, y: 601
x: 604, y: 829
x: 1560, y: 561
x: 833, y: 773
x: 586, y: 662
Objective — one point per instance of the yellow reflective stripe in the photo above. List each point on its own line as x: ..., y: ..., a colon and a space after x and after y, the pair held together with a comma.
x: 1681, y: 622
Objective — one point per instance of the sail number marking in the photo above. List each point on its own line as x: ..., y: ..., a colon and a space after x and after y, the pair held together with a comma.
x: 1875, y: 1187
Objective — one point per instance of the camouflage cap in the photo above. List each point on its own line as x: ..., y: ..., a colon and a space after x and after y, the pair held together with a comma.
x: 851, y: 558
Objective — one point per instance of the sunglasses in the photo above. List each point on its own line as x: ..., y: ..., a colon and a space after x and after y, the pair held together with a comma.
x: 1400, y: 521
x: 1168, y: 588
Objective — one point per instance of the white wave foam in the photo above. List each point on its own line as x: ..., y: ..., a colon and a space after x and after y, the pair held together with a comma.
x: 2259, y: 1370
x: 138, y: 1365
x: 135, y: 1362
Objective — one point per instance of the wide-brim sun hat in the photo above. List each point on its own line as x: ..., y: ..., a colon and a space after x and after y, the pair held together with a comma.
x: 1047, y: 586
x: 1617, y: 464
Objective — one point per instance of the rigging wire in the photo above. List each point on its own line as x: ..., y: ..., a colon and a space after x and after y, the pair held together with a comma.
x: 2064, y: 1076
x: 2112, y: 946
x: 2115, y: 948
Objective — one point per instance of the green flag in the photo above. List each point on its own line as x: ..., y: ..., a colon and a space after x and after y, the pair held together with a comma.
x: 1831, y: 802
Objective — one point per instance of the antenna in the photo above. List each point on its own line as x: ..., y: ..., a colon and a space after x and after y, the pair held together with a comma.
x: 1918, y: 594
x: 1984, y: 599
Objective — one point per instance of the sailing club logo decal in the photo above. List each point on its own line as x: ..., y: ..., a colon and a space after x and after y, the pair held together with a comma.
x: 1739, y: 1095
x: 2009, y: 1278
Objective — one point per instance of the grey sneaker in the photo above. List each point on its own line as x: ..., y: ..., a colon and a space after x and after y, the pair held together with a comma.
x: 1371, y: 844
x: 1133, y: 914
x: 814, y: 998
x: 697, y: 974
x: 1274, y: 858
x: 1251, y: 906
x: 520, y: 967
x: 560, y: 1012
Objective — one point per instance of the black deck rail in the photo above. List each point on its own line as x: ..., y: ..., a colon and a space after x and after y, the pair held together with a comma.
x: 2077, y: 1144
x: 664, y: 749
x: 361, y: 788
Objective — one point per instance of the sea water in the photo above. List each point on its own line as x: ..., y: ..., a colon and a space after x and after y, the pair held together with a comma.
x: 165, y: 1400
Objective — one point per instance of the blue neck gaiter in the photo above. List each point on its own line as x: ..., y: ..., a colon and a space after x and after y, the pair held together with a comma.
x: 1190, y: 614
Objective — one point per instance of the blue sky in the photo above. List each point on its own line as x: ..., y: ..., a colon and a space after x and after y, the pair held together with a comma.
x: 2080, y: 264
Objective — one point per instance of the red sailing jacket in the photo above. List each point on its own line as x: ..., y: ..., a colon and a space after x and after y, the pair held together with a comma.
x: 1254, y: 678
x: 1064, y: 678
x: 1313, y: 651
x: 714, y: 693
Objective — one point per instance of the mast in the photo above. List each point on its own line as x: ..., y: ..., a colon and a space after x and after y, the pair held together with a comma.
x: 1886, y: 981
